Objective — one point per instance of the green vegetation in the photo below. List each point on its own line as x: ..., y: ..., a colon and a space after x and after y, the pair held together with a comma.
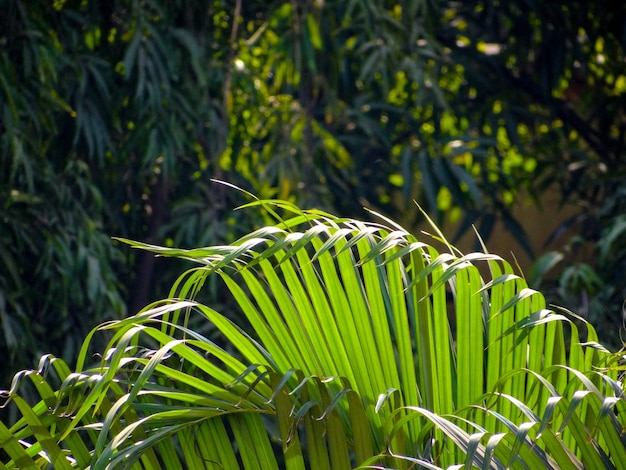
x: 346, y: 350
x: 115, y: 115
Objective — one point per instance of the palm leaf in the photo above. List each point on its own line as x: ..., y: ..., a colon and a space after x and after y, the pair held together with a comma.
x: 359, y: 345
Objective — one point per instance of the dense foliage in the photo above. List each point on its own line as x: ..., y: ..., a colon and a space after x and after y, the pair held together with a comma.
x: 115, y: 115
x: 353, y: 344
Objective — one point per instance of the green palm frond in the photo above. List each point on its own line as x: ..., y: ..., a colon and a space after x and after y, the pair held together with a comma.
x: 350, y: 344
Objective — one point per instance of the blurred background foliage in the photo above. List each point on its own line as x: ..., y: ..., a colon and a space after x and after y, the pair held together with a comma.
x: 117, y: 114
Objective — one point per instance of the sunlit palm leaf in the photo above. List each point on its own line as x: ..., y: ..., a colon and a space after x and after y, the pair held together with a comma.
x: 363, y: 346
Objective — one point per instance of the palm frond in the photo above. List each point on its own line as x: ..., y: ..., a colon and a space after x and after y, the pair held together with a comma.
x: 349, y: 344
